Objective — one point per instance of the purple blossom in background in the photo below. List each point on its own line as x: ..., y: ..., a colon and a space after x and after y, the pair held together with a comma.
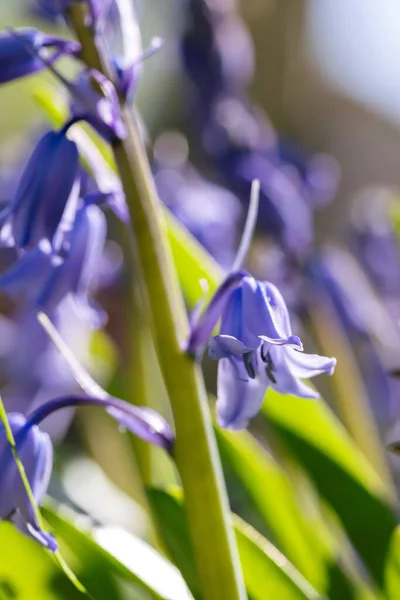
x: 255, y: 348
x: 374, y: 239
x: 35, y: 451
x: 365, y: 322
x: 20, y: 54
x: 238, y: 138
x: 210, y: 212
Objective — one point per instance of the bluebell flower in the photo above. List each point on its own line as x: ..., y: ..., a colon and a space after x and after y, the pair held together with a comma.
x: 47, y: 195
x: 256, y: 350
x: 217, y: 50
x: 99, y: 108
x: 237, y: 136
x: 35, y: 451
x: 20, y: 59
x: 45, y: 283
x: 94, y: 97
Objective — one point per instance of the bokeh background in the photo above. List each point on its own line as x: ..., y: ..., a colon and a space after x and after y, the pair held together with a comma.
x: 327, y: 78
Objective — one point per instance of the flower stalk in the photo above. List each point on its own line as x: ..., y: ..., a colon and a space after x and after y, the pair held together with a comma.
x: 195, y: 451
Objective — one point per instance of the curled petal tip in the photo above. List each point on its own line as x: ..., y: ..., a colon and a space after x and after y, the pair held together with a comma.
x: 294, y: 340
x: 332, y: 366
x: 44, y: 538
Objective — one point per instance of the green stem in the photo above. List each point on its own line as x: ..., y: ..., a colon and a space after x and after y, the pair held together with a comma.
x: 195, y: 452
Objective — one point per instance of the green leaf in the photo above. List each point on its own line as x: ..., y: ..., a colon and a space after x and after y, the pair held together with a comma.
x: 116, y: 553
x: 28, y: 571
x: 341, y: 474
x: 304, y: 540
x: 268, y: 574
x: 392, y: 567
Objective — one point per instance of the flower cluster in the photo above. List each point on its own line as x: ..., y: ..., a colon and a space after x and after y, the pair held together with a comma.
x: 55, y: 227
x: 238, y: 138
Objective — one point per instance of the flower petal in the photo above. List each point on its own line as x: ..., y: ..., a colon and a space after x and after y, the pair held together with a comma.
x: 285, y: 382
x: 48, y: 188
x: 305, y: 366
x: 264, y: 311
x: 27, y: 275
x: 202, y: 331
x: 239, y: 397
x: 224, y: 346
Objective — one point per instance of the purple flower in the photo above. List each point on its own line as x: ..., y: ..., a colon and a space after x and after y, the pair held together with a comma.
x: 238, y: 137
x: 45, y: 283
x: 20, y: 59
x: 256, y: 349
x: 94, y: 98
x: 47, y: 195
x: 102, y: 109
x: 35, y: 451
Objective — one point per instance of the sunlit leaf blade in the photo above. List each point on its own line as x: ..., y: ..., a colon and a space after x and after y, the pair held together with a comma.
x: 268, y: 574
x: 133, y: 561
x: 392, y: 567
x: 265, y: 568
x: 305, y: 541
x: 340, y: 472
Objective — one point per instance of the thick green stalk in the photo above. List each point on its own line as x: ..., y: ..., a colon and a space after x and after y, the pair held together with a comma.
x: 195, y: 452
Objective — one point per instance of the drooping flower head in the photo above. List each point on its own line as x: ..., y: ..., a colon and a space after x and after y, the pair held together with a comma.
x: 256, y: 349
x: 46, y: 199
x: 35, y: 451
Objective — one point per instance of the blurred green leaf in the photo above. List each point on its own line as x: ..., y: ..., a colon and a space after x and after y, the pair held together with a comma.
x: 392, y: 568
x: 341, y: 474
x: 268, y: 574
x: 28, y: 572
x: 302, y: 537
x: 133, y: 561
